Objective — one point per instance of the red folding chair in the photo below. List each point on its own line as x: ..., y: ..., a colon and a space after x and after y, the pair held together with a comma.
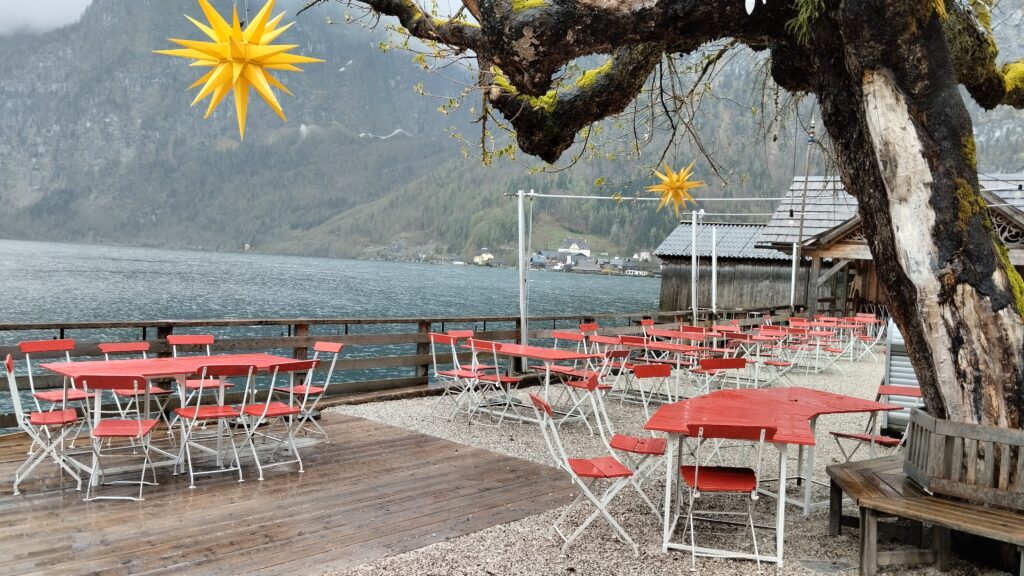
x: 132, y: 398
x: 585, y: 474
x: 56, y: 398
x: 104, y: 430
x: 739, y: 480
x: 259, y: 418
x: 654, y: 383
x: 46, y: 429
x: 636, y: 450
x: 461, y: 335
x: 201, y: 409
x: 495, y: 389
x: 871, y: 437
x: 459, y: 383
x: 311, y: 394
x: 717, y: 371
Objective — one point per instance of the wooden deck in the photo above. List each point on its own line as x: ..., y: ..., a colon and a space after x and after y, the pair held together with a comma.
x: 374, y: 491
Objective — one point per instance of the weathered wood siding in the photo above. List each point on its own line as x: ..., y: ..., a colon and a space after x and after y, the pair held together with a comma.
x: 740, y: 284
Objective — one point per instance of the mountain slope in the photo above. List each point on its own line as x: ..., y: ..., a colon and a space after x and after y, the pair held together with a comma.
x: 98, y: 143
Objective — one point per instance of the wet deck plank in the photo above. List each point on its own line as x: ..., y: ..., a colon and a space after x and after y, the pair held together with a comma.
x: 373, y: 491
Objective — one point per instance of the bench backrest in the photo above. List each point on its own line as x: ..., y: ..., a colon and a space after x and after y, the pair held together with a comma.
x: 978, y: 463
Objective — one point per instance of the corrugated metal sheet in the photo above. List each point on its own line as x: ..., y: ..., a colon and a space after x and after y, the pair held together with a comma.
x: 735, y: 241
x: 829, y: 206
x: 898, y: 372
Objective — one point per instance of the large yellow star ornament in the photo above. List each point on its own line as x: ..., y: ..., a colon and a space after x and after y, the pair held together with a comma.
x: 675, y: 187
x: 239, y: 59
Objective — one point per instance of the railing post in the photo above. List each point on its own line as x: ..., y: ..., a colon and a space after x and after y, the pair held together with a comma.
x: 301, y: 352
x: 422, y: 348
x: 161, y: 334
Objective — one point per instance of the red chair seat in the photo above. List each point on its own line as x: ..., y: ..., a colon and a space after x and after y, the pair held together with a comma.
x: 638, y: 445
x: 582, y: 385
x: 54, y: 417
x: 671, y: 362
x: 206, y: 384
x: 463, y: 373
x: 153, y: 391
x: 778, y: 363
x: 706, y: 372
x: 719, y: 478
x: 206, y: 412
x: 500, y: 378
x: 55, y: 396
x: 833, y: 350
x: 880, y: 440
x: 558, y: 369
x: 123, y: 428
x: 603, y: 467
x: 300, y: 390
x: 274, y: 409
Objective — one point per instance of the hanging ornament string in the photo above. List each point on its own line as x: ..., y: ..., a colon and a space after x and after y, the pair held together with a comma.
x: 239, y: 59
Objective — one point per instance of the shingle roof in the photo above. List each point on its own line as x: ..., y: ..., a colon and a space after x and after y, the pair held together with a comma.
x: 734, y: 241
x: 828, y: 206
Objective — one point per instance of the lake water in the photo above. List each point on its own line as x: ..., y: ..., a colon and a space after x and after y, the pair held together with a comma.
x: 44, y: 282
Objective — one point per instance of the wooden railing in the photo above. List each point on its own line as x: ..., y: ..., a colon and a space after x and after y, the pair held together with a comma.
x: 396, y: 345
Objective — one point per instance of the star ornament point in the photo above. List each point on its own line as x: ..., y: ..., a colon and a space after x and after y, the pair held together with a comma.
x: 675, y: 187
x: 239, y: 59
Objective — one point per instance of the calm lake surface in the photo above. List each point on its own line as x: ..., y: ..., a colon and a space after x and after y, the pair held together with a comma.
x: 43, y: 282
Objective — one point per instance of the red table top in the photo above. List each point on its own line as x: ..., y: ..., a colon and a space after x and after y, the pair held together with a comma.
x: 789, y: 410
x: 864, y: 320
x: 160, y: 367
x: 542, y: 353
x: 682, y: 335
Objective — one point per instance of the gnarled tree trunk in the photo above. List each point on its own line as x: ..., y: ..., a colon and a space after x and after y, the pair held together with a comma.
x: 906, y: 148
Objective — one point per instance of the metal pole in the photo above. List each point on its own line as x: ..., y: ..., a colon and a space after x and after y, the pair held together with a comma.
x: 792, y: 282
x: 714, y: 271
x: 798, y: 246
x: 693, y: 269
x: 523, y: 268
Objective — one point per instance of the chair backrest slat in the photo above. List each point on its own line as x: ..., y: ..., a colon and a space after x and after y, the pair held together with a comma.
x: 176, y: 340
x: 12, y: 385
x: 123, y: 347
x: 35, y: 346
x: 111, y: 382
x: 652, y: 370
x: 328, y: 347
x: 722, y: 363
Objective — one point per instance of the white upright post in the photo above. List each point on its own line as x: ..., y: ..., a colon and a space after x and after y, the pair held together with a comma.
x: 792, y: 282
x: 523, y: 267
x: 714, y: 271
x: 693, y: 269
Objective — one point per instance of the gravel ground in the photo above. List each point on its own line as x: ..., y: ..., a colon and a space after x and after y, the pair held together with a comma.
x: 529, y: 547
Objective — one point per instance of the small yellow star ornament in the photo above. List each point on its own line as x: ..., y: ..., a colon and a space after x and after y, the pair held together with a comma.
x: 675, y: 186
x: 240, y: 59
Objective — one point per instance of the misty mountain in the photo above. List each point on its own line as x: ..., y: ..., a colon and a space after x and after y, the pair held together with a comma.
x: 98, y: 144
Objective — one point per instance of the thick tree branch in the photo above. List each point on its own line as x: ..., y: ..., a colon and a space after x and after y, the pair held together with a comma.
x: 547, y: 125
x: 973, y: 52
x: 454, y: 33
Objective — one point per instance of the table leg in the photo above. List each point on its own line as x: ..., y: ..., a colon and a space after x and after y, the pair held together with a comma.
x: 780, y: 505
x: 809, y: 474
x: 670, y: 453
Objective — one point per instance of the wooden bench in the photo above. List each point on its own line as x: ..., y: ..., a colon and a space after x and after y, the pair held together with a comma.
x: 880, y: 488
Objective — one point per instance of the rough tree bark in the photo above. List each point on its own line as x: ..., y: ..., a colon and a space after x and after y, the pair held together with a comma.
x: 886, y: 73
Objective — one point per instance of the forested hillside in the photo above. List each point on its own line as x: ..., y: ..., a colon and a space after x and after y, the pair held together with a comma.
x: 98, y: 144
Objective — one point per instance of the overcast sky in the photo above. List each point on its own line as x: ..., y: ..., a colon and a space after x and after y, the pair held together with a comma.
x: 38, y: 15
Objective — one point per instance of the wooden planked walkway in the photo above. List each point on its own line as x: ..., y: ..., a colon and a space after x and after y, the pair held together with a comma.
x: 374, y: 491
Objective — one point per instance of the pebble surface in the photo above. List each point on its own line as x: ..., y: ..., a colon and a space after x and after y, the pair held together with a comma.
x: 529, y: 547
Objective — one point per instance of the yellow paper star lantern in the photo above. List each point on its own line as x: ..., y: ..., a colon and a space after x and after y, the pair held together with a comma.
x: 675, y: 187
x: 239, y: 59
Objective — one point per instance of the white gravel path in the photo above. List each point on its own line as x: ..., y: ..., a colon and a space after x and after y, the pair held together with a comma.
x: 528, y: 546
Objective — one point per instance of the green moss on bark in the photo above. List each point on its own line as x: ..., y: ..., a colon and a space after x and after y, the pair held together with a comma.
x: 970, y: 151
x: 523, y: 5
x: 546, y: 102
x: 969, y: 203
x: 1016, y: 282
